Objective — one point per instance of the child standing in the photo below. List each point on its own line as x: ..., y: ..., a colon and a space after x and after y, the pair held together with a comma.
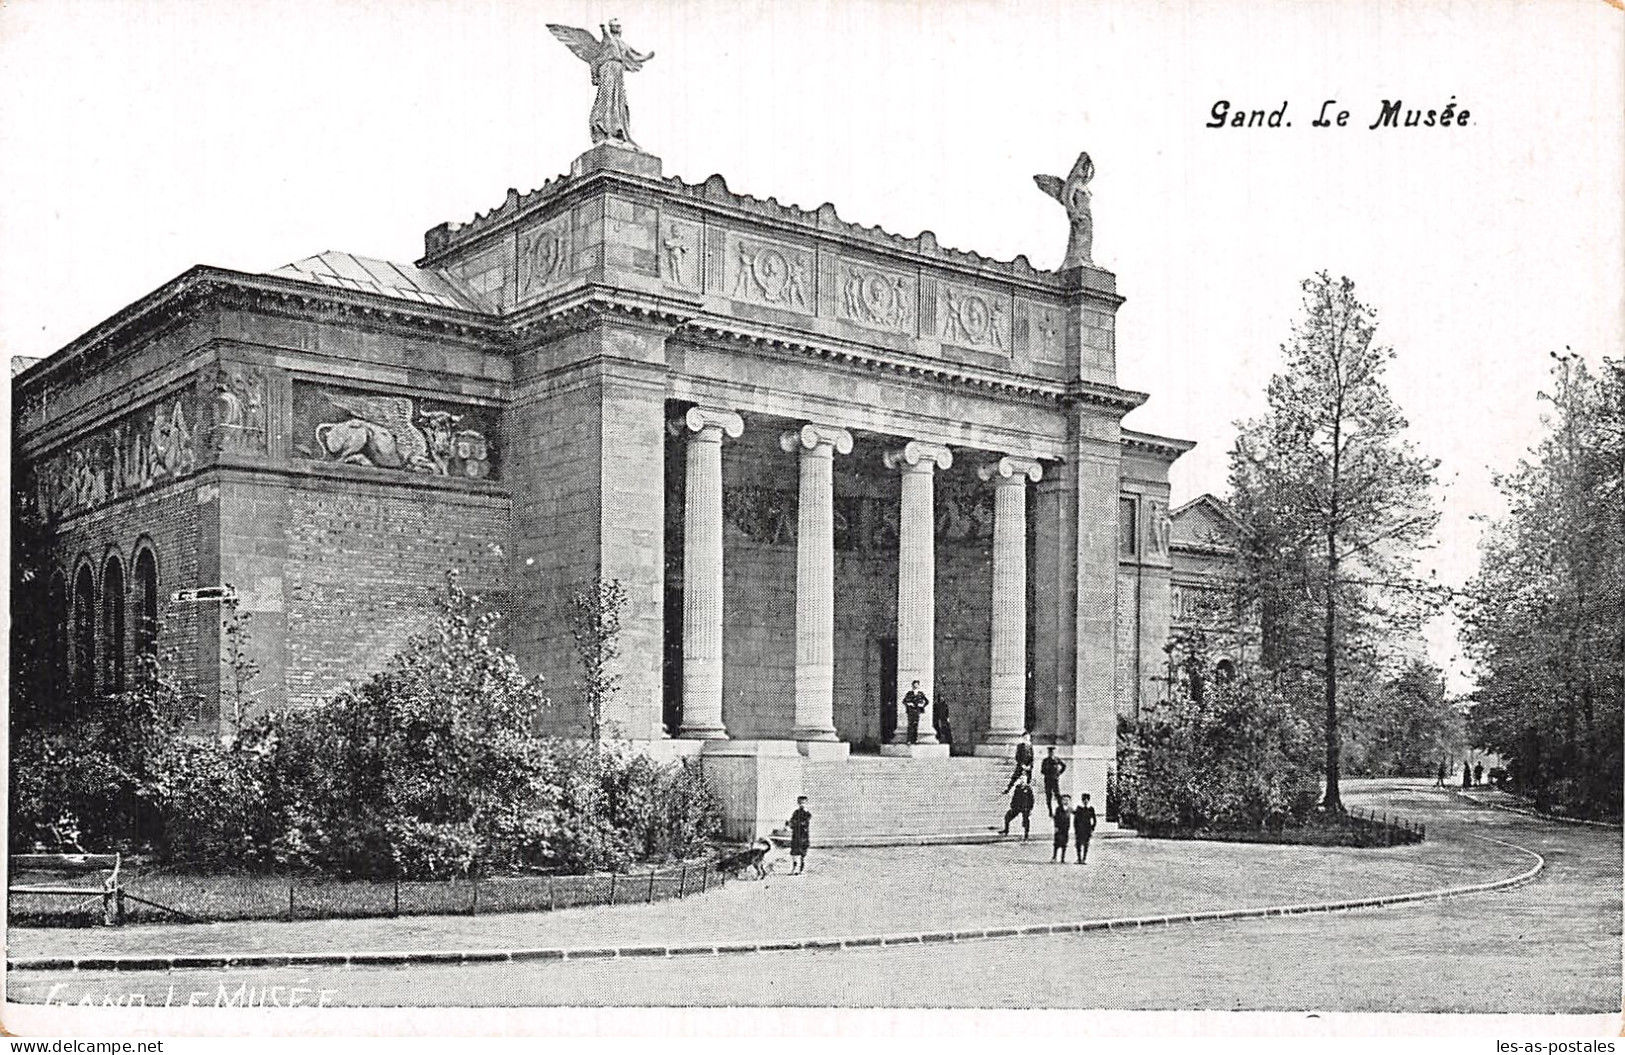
x: 800, y: 836
x: 1063, y: 829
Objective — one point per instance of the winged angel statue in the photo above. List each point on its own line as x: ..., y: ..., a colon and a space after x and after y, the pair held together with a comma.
x: 610, y: 59
x: 1073, y: 194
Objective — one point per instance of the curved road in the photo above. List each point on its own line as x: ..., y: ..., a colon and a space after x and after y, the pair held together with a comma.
x: 1550, y: 946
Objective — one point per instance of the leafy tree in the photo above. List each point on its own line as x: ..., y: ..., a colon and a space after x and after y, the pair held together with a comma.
x: 1406, y: 725
x: 1542, y: 619
x: 1335, y: 501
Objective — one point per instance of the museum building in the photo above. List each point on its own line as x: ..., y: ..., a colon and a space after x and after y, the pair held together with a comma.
x: 823, y: 461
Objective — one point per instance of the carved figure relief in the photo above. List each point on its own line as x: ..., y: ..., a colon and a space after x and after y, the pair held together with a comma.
x: 964, y: 512
x: 679, y: 250
x: 1044, y: 339
x: 544, y: 256
x: 239, y: 409
x: 391, y: 432
x: 876, y: 298
x: 760, y: 514
x: 972, y: 318
x: 768, y: 273
x: 1161, y: 529
x: 145, y: 447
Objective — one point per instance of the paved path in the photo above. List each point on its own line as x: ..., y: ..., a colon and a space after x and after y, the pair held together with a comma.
x: 865, y: 891
x: 1548, y: 947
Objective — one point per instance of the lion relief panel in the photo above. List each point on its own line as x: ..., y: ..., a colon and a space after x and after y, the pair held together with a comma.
x: 396, y: 433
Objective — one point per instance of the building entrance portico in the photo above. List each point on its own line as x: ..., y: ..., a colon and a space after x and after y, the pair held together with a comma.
x: 823, y: 529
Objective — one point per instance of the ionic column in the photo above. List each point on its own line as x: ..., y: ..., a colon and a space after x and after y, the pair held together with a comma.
x: 702, y: 573
x: 815, y: 578
x: 916, y: 578
x: 1007, y: 718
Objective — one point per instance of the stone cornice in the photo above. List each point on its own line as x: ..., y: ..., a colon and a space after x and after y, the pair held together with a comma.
x: 1093, y: 393
x: 203, y: 285
x: 1160, y: 446
x: 746, y: 334
x: 584, y: 307
x: 714, y: 196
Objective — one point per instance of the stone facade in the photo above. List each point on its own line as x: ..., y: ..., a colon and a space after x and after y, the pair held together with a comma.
x: 822, y: 460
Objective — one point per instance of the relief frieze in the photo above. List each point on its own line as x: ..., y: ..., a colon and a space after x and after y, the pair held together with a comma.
x: 394, y: 433
x: 973, y: 318
x: 878, y: 299
x: 761, y: 272
x: 544, y: 257
x: 680, y: 254
x: 140, y: 450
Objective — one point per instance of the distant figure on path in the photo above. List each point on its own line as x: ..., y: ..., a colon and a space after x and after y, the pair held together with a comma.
x: 1024, y: 761
x: 1063, y: 829
x: 1439, y: 783
x: 1052, y: 768
x: 800, y: 823
x: 1083, y: 828
x: 1467, y: 774
x: 1478, y: 774
x: 915, y: 703
x: 1021, y: 805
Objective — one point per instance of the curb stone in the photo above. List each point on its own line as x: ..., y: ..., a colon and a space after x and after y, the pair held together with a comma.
x: 396, y: 958
x: 1476, y: 801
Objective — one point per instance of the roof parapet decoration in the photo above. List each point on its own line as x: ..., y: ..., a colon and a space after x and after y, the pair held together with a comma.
x: 824, y: 219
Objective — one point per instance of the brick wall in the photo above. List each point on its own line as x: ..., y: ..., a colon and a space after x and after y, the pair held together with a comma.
x: 167, y: 521
x: 364, y: 566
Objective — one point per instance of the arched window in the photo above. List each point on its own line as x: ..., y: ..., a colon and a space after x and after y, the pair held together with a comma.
x: 146, y: 597
x: 113, y: 624
x: 84, y: 635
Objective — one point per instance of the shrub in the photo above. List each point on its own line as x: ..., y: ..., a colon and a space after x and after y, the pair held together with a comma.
x: 1235, y: 755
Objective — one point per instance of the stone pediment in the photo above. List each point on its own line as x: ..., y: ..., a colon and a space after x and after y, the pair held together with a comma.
x: 1205, y: 523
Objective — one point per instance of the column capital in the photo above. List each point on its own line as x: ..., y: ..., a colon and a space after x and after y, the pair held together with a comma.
x: 700, y: 419
x: 1011, y: 470
x: 918, y: 456
x: 817, y: 440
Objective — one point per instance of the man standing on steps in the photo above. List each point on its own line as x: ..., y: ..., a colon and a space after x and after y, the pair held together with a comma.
x: 915, y: 704
x: 1083, y: 828
x: 1063, y: 829
x: 1024, y: 761
x: 1052, y: 769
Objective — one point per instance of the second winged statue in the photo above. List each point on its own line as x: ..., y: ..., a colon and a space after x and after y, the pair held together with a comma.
x: 610, y: 59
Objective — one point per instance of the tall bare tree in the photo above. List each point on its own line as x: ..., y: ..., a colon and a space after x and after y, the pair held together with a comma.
x: 1336, y: 502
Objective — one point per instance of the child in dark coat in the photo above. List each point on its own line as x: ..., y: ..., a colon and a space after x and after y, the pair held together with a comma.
x: 1021, y: 805
x: 1063, y: 829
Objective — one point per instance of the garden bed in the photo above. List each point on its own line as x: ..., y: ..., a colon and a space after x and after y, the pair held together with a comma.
x: 1348, y: 830
x: 217, y: 897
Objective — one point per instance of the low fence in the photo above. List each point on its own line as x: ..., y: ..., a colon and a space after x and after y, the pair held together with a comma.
x: 1388, y: 830
x: 176, y: 897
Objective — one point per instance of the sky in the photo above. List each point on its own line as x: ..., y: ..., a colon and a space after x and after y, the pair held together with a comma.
x: 140, y: 138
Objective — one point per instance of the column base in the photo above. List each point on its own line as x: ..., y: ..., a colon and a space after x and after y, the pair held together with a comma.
x: 914, y: 750
x: 824, y: 750
x: 704, y: 732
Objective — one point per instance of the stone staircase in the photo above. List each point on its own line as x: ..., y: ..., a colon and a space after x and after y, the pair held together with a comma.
x: 867, y: 801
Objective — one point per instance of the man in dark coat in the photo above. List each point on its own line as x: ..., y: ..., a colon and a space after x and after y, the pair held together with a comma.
x: 1063, y: 829
x: 1478, y: 774
x: 800, y: 824
x: 915, y: 703
x: 1024, y: 761
x: 1052, y: 768
x: 1021, y: 805
x: 1083, y: 829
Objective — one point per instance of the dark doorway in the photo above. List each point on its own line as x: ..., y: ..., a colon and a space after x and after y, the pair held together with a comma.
x: 888, y: 688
